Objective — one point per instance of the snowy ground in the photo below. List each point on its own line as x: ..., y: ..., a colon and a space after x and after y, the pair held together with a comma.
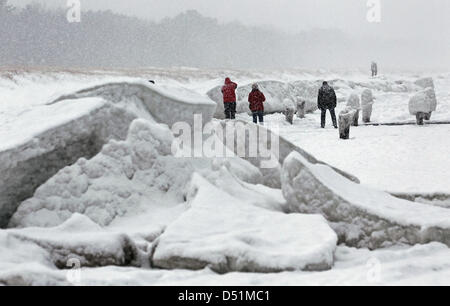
x: 398, y: 159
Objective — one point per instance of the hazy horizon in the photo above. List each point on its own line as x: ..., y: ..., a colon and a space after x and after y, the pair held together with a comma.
x: 412, y: 33
x: 399, y: 18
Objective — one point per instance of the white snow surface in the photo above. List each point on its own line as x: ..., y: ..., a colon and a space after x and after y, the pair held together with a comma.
x: 396, y: 159
x: 31, y: 123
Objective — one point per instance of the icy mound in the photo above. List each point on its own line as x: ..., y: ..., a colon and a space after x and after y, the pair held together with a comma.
x: 362, y: 217
x: 423, y: 102
x: 275, y: 92
x: 164, y: 104
x: 227, y: 234
x: 48, y: 138
x: 387, y: 86
x: 126, y: 177
x: 117, y: 180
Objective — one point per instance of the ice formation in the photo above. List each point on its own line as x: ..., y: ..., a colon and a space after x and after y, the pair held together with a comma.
x: 362, y: 217
x: 423, y: 102
x: 78, y: 125
x: 39, y: 148
x: 226, y: 234
x: 367, y: 101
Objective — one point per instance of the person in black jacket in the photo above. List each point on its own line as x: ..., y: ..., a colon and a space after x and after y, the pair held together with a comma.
x: 327, y: 100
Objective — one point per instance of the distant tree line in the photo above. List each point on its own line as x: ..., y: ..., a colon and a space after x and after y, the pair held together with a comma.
x: 34, y: 36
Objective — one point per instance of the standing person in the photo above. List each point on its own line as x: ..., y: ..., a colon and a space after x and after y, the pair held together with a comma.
x: 374, y: 69
x: 256, y: 99
x: 229, y: 98
x: 327, y: 100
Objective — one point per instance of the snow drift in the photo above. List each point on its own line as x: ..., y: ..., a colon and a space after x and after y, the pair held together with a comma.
x: 362, y: 217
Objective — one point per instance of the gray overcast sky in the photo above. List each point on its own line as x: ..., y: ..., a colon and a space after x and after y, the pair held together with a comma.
x: 400, y: 18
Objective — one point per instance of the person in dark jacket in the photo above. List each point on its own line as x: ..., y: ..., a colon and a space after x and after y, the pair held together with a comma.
x: 256, y: 99
x: 229, y: 98
x: 327, y: 100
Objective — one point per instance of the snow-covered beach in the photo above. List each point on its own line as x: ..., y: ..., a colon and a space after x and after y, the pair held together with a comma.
x: 131, y: 213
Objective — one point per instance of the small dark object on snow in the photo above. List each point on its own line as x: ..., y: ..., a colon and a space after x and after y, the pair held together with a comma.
x: 420, y: 117
x: 289, y: 114
x: 151, y: 81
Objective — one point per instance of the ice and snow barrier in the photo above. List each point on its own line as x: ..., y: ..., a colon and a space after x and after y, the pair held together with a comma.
x: 45, y: 140
x: 362, y: 217
x: 226, y: 234
x: 275, y: 92
x: 164, y: 104
x: 307, y: 90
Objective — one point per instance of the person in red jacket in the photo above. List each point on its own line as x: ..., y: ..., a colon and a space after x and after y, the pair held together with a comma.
x: 229, y: 98
x: 256, y: 99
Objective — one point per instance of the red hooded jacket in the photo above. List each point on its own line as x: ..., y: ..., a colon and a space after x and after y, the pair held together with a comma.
x: 256, y: 100
x: 229, y: 91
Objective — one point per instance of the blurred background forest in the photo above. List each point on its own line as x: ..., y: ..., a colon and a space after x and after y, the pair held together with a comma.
x: 34, y: 36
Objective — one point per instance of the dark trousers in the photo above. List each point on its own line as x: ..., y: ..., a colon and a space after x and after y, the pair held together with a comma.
x: 324, y: 114
x: 258, y: 115
x: 230, y: 110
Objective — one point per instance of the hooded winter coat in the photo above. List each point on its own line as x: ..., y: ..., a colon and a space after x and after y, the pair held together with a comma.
x: 256, y: 99
x: 229, y: 91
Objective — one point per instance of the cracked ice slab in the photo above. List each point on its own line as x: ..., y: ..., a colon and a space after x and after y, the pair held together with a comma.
x: 164, y: 104
x: 361, y: 216
x: 227, y: 234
